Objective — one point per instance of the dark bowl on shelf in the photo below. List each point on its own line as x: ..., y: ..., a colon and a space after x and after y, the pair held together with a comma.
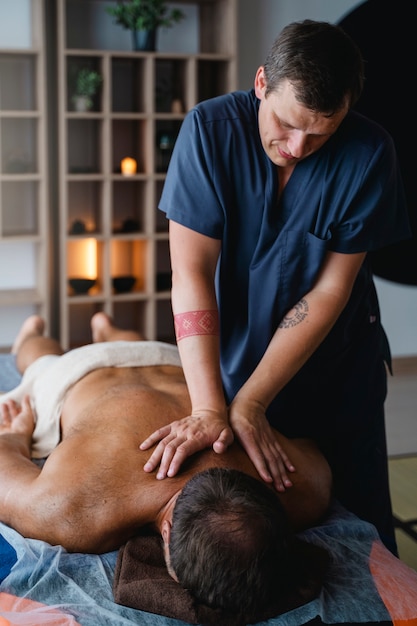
x: 122, y: 284
x: 82, y: 285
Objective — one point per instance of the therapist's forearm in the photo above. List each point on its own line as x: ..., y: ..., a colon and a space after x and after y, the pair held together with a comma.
x: 200, y: 361
x: 299, y: 334
x: 197, y: 333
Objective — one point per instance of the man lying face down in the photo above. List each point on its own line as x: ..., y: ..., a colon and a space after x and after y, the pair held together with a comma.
x: 227, y: 535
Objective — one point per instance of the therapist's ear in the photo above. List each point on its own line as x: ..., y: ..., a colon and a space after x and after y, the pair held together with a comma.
x: 260, y: 83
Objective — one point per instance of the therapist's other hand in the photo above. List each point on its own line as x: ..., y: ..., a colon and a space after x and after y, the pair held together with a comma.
x: 184, y: 437
x: 252, y: 429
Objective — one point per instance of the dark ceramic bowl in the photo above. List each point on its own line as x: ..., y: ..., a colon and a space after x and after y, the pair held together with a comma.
x: 81, y: 285
x: 122, y: 284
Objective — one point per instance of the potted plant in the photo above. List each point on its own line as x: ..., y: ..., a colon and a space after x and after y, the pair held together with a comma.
x: 143, y: 18
x: 87, y: 83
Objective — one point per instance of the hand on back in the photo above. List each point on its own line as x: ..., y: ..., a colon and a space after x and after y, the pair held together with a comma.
x: 182, y: 438
x: 257, y: 437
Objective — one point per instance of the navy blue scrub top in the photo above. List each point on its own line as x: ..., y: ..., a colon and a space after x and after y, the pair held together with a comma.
x: 347, y: 197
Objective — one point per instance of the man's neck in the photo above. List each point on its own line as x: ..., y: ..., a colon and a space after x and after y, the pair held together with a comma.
x: 165, y: 513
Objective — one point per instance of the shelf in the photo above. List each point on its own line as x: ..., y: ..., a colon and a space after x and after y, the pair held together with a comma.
x: 24, y: 204
x: 20, y: 208
x: 136, y: 114
x: 18, y: 72
x: 209, y: 27
x: 9, y: 297
x: 19, y: 145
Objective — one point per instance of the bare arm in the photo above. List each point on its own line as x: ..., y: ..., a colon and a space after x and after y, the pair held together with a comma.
x: 297, y: 337
x: 82, y: 498
x: 194, y: 259
x: 304, y: 327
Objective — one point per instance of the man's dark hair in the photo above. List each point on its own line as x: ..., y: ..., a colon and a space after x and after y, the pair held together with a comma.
x: 322, y: 63
x: 230, y: 542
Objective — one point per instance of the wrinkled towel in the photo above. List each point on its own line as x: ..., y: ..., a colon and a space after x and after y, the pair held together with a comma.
x: 48, y: 379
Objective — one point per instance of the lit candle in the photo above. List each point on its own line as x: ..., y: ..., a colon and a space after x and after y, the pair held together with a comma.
x: 91, y: 258
x: 128, y: 166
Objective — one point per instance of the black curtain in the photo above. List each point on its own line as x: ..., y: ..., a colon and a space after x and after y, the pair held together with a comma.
x: 386, y: 34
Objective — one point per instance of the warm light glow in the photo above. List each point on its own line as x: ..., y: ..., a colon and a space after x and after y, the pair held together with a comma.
x: 128, y: 258
x: 128, y: 166
x: 121, y: 258
x: 91, y: 258
x: 82, y: 258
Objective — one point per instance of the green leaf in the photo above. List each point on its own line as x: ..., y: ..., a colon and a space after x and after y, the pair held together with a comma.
x: 144, y: 14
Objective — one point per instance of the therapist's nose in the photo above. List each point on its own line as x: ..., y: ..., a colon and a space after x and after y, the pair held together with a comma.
x: 297, y: 143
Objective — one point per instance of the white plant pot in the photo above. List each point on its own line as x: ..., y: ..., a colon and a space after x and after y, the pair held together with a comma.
x: 81, y: 103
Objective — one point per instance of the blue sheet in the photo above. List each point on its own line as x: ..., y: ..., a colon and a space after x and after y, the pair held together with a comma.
x: 9, y: 375
x: 365, y: 584
x: 361, y: 574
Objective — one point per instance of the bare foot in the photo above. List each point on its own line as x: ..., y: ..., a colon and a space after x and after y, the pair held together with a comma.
x: 32, y: 326
x: 103, y: 329
x: 17, y: 420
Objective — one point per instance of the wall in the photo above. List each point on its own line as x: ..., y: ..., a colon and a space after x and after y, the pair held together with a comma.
x: 15, y: 27
x: 259, y: 24
x: 15, y: 33
x: 261, y: 21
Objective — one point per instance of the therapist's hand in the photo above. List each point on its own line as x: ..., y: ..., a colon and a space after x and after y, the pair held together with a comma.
x: 252, y: 429
x: 184, y: 437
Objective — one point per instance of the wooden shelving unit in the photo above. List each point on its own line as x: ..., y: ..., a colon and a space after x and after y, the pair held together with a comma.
x: 24, y: 206
x: 137, y: 114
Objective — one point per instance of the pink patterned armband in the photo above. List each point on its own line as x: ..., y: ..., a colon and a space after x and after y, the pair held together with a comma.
x: 196, y: 323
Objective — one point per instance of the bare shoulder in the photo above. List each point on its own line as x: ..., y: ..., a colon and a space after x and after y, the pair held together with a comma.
x: 95, y: 493
x: 307, y: 502
x: 304, y: 453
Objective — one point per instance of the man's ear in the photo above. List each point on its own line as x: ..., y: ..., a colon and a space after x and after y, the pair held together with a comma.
x: 166, y: 532
x: 166, y: 536
x: 260, y: 83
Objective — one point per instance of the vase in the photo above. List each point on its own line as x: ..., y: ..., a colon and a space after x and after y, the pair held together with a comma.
x: 144, y: 40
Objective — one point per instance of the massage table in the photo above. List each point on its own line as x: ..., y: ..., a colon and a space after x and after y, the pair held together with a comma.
x: 41, y: 584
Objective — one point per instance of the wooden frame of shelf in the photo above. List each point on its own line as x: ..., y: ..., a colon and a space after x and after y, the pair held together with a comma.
x: 138, y: 113
x: 24, y: 188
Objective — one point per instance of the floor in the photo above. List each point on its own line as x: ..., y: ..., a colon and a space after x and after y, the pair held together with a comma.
x: 401, y: 408
x: 401, y: 421
x: 403, y: 482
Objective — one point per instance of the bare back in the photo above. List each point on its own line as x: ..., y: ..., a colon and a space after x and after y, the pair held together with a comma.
x: 92, y: 494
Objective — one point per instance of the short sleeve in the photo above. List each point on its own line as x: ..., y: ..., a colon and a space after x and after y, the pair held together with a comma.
x: 189, y: 196
x: 376, y: 214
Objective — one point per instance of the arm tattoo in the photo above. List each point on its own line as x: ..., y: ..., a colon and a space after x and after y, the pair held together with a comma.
x: 296, y: 315
x: 196, y: 323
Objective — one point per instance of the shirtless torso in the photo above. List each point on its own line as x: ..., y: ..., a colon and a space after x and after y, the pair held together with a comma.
x: 92, y: 493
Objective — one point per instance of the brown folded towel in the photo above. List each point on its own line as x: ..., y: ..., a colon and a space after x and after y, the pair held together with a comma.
x: 142, y: 582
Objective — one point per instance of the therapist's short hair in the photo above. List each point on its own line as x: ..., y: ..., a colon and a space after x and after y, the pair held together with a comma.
x: 322, y: 63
